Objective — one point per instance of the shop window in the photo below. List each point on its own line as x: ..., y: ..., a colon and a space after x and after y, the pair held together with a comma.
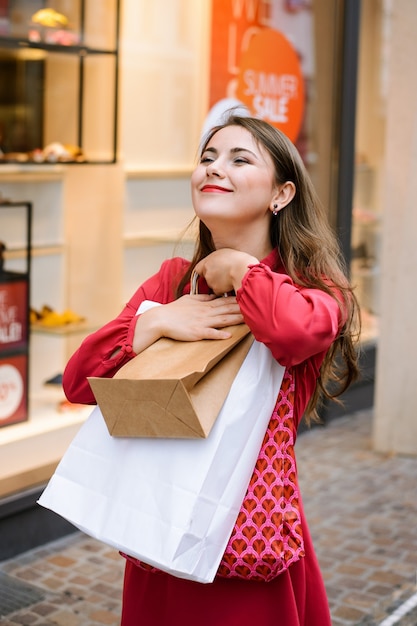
x: 58, y: 94
x: 369, y: 155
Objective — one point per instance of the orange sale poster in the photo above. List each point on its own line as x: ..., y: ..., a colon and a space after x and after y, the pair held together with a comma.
x: 233, y: 23
x: 255, y: 65
x: 270, y: 82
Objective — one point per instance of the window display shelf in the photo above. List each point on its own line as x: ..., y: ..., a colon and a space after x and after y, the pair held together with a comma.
x: 168, y: 171
x: 58, y: 94
x: 30, y: 172
x: 63, y: 331
x: 45, y: 416
x: 77, y: 49
x: 64, y: 198
x: 150, y: 238
x: 31, y: 450
x: 39, y: 250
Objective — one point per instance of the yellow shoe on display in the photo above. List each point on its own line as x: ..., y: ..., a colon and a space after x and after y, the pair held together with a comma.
x: 50, y: 318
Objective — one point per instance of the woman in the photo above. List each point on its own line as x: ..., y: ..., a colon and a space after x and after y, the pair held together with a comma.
x: 265, y: 243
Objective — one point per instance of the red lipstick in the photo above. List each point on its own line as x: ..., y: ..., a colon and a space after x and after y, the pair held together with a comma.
x: 214, y: 189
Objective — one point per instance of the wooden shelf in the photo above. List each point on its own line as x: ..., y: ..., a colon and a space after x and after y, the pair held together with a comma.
x: 132, y: 171
x: 157, y: 237
x: 36, y: 251
x: 64, y: 330
x: 28, y: 173
x: 32, y: 449
x: 19, y: 43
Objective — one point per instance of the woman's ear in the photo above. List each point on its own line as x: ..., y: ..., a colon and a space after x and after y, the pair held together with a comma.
x: 283, y: 196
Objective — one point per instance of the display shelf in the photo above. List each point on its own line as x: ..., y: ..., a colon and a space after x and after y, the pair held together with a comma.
x: 75, y: 49
x: 63, y: 331
x: 44, y: 416
x: 58, y: 97
x: 136, y: 172
x: 31, y: 450
x: 150, y: 238
x: 64, y: 197
x: 30, y: 172
x: 38, y: 250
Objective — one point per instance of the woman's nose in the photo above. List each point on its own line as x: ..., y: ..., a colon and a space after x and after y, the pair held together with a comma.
x: 214, y: 169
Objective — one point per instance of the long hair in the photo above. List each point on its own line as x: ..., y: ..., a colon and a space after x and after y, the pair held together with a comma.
x: 309, y: 251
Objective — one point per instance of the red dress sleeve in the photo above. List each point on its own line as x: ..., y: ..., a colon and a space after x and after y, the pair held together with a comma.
x: 295, y: 322
x: 104, y: 352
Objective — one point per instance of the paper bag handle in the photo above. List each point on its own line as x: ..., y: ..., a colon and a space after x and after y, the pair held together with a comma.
x: 194, y: 283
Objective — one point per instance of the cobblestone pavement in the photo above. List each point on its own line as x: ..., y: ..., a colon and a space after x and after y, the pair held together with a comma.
x: 362, y: 511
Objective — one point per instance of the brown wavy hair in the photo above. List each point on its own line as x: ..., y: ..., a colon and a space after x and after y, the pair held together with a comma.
x: 309, y: 250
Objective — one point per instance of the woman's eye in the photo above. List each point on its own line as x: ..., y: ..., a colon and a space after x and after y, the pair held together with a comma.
x: 206, y: 159
x: 241, y: 160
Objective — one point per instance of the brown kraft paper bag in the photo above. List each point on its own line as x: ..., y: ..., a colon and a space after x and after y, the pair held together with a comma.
x: 172, y: 389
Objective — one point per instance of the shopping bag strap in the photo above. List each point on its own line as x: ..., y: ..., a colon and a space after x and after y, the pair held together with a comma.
x: 194, y: 283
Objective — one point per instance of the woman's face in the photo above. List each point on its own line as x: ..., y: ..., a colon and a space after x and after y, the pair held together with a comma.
x: 233, y: 185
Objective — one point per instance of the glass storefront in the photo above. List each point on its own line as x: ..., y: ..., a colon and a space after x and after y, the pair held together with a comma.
x: 369, y: 157
x: 173, y: 72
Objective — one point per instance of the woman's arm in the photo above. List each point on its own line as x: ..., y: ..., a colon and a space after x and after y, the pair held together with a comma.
x: 190, y: 318
x: 295, y: 322
x: 101, y: 354
x: 104, y: 352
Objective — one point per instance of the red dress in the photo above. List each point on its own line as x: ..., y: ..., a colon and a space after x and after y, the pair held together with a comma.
x: 298, y: 325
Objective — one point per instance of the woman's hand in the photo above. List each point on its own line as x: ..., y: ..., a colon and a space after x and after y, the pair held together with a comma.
x: 224, y: 269
x: 190, y: 318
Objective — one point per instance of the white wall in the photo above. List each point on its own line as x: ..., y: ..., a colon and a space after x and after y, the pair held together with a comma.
x: 164, y: 78
x: 163, y: 99
x: 395, y: 422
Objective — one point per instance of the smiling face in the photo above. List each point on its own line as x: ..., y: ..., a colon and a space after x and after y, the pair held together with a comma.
x: 233, y: 189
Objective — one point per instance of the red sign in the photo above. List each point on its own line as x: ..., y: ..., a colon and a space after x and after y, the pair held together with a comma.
x: 13, y: 390
x: 13, y: 314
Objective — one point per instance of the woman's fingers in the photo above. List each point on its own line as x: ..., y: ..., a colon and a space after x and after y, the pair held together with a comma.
x: 197, y: 317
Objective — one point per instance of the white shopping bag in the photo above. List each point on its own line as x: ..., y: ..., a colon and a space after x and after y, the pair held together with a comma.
x: 170, y: 503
